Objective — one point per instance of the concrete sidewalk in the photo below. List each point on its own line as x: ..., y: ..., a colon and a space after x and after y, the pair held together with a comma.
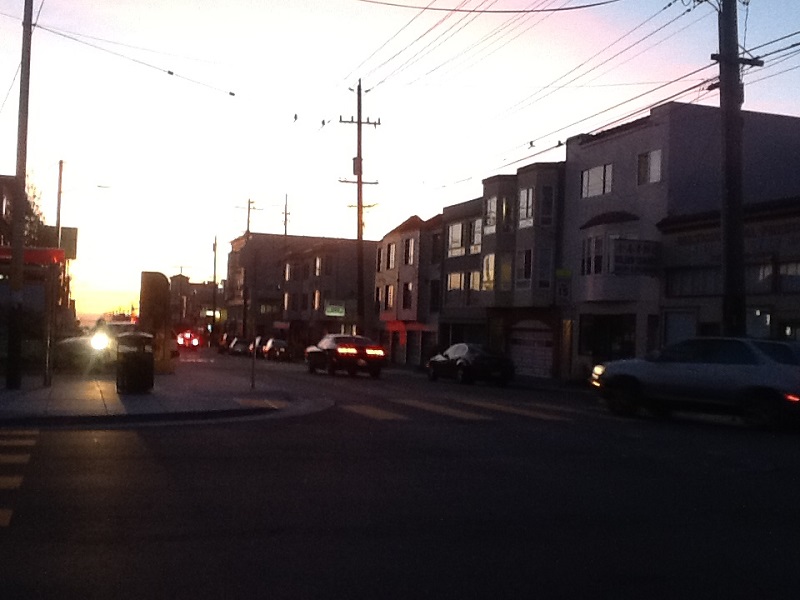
x: 191, y: 392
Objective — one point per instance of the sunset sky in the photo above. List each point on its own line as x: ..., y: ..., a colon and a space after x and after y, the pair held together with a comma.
x: 158, y: 164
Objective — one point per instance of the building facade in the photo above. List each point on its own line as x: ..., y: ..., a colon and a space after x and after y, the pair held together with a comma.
x: 408, y: 290
x: 620, y: 184
x: 296, y: 287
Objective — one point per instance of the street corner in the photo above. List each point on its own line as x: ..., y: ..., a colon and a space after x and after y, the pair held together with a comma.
x: 276, y: 405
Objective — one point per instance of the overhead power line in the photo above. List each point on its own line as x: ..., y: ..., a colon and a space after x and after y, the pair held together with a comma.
x: 135, y: 60
x: 490, y: 11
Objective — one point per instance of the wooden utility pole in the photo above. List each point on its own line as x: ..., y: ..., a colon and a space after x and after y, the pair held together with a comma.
x: 358, y: 172
x: 214, y: 297
x: 731, y: 93
x: 19, y: 206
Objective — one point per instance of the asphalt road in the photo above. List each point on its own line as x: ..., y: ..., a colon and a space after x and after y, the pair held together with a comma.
x: 404, y: 489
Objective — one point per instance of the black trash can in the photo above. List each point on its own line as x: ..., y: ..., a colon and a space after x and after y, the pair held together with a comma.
x: 135, y: 364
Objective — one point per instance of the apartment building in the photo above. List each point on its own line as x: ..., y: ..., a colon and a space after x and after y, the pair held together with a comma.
x: 620, y: 184
x: 408, y: 289
x: 272, y: 282
x: 319, y: 291
x: 692, y: 254
x: 462, y: 316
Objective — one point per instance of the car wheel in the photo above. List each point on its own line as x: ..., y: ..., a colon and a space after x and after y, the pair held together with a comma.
x: 311, y: 367
x: 352, y: 372
x: 331, y: 368
x: 624, y: 399
x: 375, y: 373
x: 432, y: 374
x: 462, y: 375
x: 760, y: 412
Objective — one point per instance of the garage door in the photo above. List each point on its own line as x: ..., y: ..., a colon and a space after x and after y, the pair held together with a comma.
x: 531, y: 349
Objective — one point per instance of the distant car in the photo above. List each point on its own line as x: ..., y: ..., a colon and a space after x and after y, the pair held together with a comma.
x: 239, y: 347
x: 757, y: 379
x: 275, y: 349
x: 351, y: 353
x: 467, y: 362
x: 188, y: 340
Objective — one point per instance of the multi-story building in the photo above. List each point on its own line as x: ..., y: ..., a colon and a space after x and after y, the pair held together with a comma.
x: 408, y: 289
x: 320, y: 291
x: 296, y: 287
x: 462, y: 317
x: 191, y: 304
x: 620, y: 184
x: 530, y: 315
x: 692, y: 254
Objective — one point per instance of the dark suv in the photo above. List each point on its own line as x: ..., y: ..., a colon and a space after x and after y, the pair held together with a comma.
x: 757, y: 379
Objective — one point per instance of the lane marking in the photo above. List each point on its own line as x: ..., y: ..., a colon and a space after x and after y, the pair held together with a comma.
x: 17, y: 442
x: 443, y: 410
x: 14, y: 459
x: 11, y: 482
x: 374, y: 413
x: 5, y: 517
x: 513, y: 410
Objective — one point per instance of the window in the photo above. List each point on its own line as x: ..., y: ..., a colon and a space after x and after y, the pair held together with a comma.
x: 317, y: 266
x: 596, y: 181
x: 758, y: 278
x: 455, y: 246
x: 286, y: 301
x: 524, y: 269
x: 649, y: 167
x: 525, y: 208
x: 544, y: 268
x: 379, y: 261
x: 390, y: 255
x: 475, y: 234
x: 408, y: 294
x: 506, y: 216
x: 388, y: 297
x: 287, y: 272
x: 408, y: 251
x: 317, y: 299
x: 455, y: 281
x: 546, y: 206
x: 475, y: 281
x: 592, y: 256
x: 491, y: 215
x: 378, y: 298
x: 488, y: 272
x: 789, y: 277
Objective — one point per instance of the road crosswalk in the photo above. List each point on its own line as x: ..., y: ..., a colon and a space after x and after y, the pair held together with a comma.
x: 15, y: 448
x: 405, y: 409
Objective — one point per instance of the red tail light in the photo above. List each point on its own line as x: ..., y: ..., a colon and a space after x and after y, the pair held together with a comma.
x: 348, y: 350
x: 375, y: 352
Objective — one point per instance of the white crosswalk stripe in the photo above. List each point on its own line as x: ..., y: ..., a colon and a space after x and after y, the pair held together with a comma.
x: 14, y: 447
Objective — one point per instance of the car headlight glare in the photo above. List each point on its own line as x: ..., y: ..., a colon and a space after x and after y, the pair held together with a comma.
x: 100, y: 341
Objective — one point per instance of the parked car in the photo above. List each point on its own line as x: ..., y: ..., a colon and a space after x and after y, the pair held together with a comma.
x: 757, y: 379
x: 469, y: 362
x: 276, y: 349
x: 351, y: 353
x: 239, y: 347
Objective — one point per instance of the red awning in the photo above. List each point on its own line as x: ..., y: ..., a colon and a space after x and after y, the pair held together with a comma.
x: 36, y: 256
